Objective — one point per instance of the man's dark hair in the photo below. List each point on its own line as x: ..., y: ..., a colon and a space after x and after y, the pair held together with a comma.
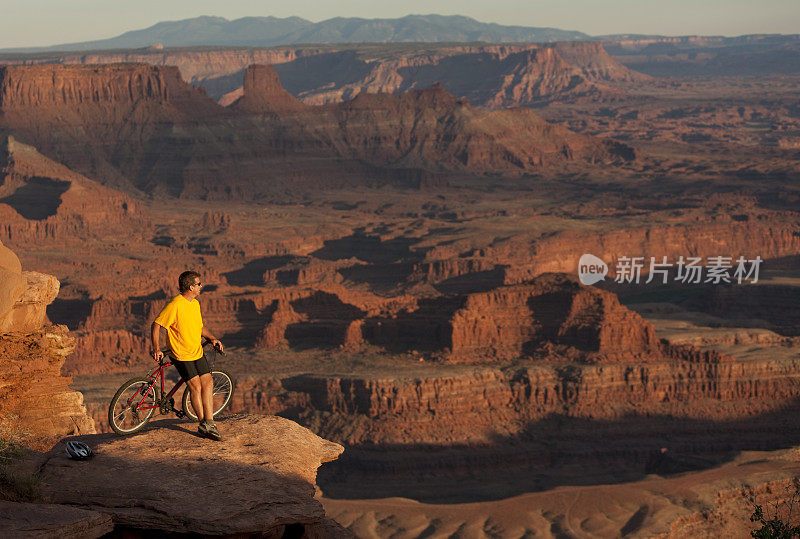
x: 186, y: 280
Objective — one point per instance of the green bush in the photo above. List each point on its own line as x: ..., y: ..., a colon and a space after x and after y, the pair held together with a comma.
x: 776, y: 527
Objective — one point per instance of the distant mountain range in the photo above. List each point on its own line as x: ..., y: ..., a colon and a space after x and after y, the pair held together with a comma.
x: 270, y: 31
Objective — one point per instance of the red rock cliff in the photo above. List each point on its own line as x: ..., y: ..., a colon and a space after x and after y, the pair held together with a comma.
x: 41, y: 200
x: 513, y: 74
x: 53, y: 86
x: 35, y: 400
x: 263, y: 93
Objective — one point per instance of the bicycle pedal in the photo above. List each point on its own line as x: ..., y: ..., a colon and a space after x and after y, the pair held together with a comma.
x: 180, y: 414
x: 165, y: 407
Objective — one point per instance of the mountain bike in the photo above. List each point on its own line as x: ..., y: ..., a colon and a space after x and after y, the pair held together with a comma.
x: 138, y: 399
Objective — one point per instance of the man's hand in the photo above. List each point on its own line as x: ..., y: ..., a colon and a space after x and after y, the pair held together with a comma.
x: 155, y: 348
x: 218, y: 345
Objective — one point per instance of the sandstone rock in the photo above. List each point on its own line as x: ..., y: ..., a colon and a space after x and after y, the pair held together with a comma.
x: 42, y: 288
x: 23, y: 296
x: 29, y: 311
x: 264, y: 94
x: 51, y: 521
x: 274, y: 332
x: 354, y: 336
x: 96, y: 351
x: 551, y: 316
x: 333, y: 74
x: 513, y: 75
x: 433, y: 130
x: 8, y: 260
x: 260, y: 478
x: 103, y: 121
x: 35, y: 399
x: 12, y: 283
x: 215, y: 221
x: 44, y: 201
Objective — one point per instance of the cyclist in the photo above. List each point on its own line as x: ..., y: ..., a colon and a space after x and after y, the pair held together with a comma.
x: 184, y: 324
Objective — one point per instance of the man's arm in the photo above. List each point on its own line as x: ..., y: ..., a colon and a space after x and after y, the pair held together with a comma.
x: 216, y: 342
x: 155, y: 329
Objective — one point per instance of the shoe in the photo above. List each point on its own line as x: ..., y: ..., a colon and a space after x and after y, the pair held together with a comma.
x: 209, y: 431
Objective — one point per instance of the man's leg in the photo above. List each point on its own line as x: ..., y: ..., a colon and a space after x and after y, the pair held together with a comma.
x: 195, y: 387
x: 207, y: 391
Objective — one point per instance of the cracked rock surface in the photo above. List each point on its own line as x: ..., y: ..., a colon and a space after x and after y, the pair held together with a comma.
x: 259, y: 478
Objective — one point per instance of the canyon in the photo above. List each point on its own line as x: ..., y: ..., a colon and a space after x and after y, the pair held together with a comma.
x: 392, y: 264
x: 514, y: 74
x: 38, y: 408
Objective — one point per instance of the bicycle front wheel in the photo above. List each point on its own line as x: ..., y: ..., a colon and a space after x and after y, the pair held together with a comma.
x: 222, y: 395
x: 132, y: 406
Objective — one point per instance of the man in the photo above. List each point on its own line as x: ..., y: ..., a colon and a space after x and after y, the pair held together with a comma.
x: 184, y: 324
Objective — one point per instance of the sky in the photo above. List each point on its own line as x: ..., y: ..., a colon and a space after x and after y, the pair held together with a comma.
x: 30, y: 23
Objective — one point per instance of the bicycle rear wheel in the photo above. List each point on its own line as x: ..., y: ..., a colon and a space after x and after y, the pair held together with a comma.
x: 132, y: 406
x: 223, y: 393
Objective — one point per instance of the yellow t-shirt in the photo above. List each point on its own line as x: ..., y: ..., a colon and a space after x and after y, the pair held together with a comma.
x: 181, y: 318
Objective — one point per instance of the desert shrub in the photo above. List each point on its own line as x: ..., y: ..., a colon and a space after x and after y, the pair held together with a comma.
x: 780, y: 525
x: 13, y: 486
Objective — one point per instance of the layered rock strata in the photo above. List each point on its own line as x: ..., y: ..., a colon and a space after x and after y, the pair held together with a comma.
x: 143, y: 129
x: 513, y: 75
x: 35, y: 400
x: 497, y: 433
x: 44, y: 201
x: 478, y: 406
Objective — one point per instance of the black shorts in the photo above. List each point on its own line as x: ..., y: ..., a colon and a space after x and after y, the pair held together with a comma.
x: 190, y: 369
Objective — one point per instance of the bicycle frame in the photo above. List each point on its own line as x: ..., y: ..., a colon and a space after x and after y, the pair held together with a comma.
x: 155, y: 375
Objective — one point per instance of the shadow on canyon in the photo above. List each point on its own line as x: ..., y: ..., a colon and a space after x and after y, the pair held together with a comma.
x: 37, y: 199
x: 553, y: 452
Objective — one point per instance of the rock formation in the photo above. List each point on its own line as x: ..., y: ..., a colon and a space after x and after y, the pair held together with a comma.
x: 50, y: 520
x: 551, y: 313
x: 106, y: 121
x: 261, y: 479
x: 499, y: 432
x: 262, y: 93
x: 35, y: 400
x: 101, y: 120
x: 12, y: 284
x: 44, y: 201
x: 23, y: 295
x: 433, y: 130
x: 513, y: 75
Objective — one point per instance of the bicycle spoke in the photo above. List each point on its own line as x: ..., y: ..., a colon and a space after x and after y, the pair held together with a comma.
x: 132, y: 407
x: 221, y: 392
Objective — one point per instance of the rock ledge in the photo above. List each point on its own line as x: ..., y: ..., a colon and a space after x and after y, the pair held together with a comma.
x: 260, y: 478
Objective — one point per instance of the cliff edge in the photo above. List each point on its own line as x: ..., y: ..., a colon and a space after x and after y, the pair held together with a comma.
x: 259, y: 479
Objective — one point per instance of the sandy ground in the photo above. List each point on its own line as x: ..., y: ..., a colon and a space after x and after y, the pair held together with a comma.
x: 711, y: 503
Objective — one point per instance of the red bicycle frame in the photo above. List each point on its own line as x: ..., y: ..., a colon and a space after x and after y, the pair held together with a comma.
x: 158, y: 373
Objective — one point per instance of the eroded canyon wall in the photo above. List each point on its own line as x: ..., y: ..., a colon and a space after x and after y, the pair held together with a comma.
x: 514, y: 75
x: 141, y: 128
